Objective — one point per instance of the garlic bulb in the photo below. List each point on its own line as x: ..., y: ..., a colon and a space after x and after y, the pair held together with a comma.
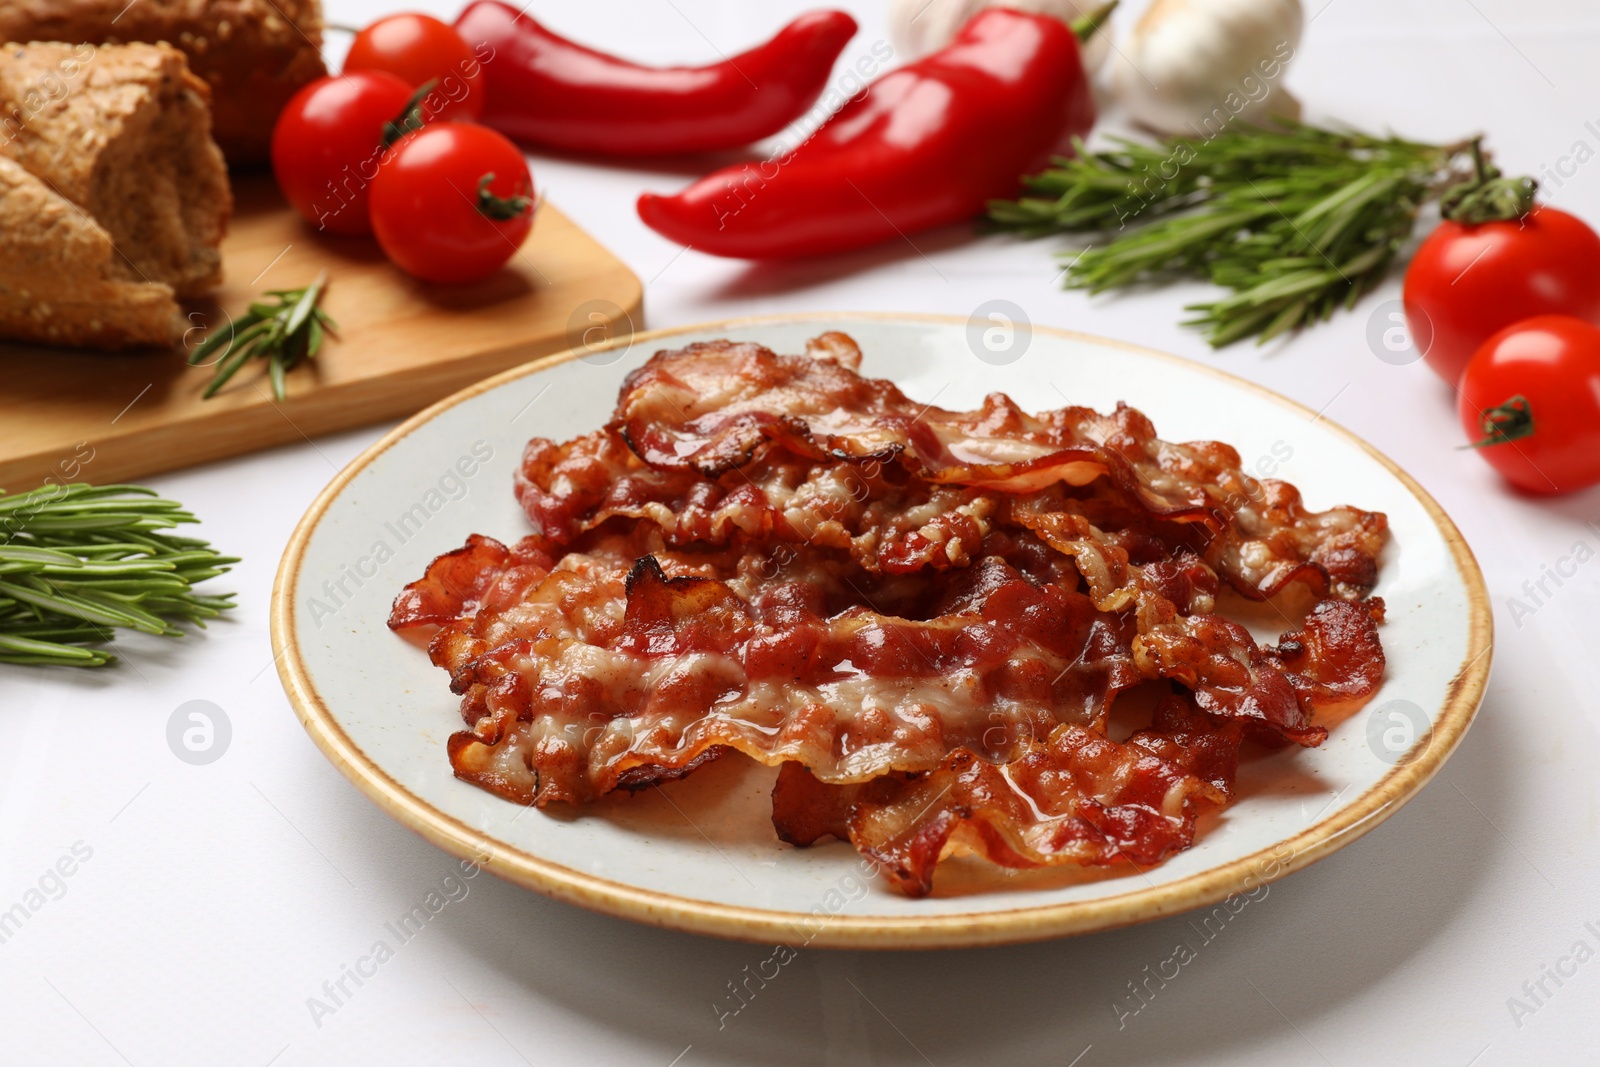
x: 1192, y: 67
x: 922, y: 26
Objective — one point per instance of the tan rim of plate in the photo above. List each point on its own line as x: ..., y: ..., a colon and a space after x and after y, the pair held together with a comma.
x: 1385, y: 797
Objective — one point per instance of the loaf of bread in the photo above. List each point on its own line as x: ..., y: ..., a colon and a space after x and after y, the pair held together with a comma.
x: 113, y: 197
x: 254, y: 54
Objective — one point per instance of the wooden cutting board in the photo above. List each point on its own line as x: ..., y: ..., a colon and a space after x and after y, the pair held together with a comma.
x: 87, y: 416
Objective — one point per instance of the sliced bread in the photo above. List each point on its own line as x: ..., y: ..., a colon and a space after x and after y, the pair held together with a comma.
x: 124, y: 178
x: 255, y: 54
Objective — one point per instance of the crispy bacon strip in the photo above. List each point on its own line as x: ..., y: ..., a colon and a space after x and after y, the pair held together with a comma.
x: 457, y: 584
x: 905, y: 526
x: 1196, y: 743
x: 890, y: 521
x: 1179, y: 638
x: 1075, y: 798
x: 709, y: 407
x: 1336, y: 656
x: 616, y: 668
x: 884, y: 519
x: 714, y: 408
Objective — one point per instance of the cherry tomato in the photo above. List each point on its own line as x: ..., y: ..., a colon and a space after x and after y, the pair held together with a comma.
x: 1533, y: 392
x: 418, y: 49
x: 1469, y: 281
x: 328, y: 143
x: 453, y: 202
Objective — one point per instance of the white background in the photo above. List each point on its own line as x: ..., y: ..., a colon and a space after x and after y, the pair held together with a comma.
x: 217, y: 899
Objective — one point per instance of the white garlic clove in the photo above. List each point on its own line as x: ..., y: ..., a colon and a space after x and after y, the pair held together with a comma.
x: 1193, y: 67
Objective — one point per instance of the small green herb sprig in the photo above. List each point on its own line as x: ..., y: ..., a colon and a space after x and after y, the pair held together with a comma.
x: 78, y: 562
x: 285, y: 333
x: 1296, y: 221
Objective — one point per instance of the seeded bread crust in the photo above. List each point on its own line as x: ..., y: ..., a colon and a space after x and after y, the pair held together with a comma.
x: 57, y: 284
x: 254, y: 54
x: 114, y: 199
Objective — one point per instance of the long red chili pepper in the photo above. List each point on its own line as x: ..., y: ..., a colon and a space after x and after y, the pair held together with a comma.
x: 545, y: 89
x: 924, y: 145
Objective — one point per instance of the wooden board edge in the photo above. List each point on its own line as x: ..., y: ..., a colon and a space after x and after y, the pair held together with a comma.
x: 232, y: 432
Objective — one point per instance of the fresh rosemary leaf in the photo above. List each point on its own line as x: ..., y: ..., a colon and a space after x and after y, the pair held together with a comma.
x: 78, y: 562
x: 1296, y: 221
x: 285, y: 332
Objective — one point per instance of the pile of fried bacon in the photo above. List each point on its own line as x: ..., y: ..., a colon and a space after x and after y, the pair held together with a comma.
x: 923, y: 616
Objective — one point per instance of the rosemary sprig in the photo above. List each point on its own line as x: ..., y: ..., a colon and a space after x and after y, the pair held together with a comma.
x: 285, y: 333
x: 78, y: 562
x: 1295, y: 220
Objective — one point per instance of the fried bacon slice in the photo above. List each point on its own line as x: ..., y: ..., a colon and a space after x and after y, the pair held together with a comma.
x: 922, y: 615
x: 881, y: 516
x: 890, y: 520
x: 457, y: 584
x: 1336, y: 656
x: 719, y: 407
x: 1179, y: 638
x: 626, y: 662
x: 1074, y: 798
x: 610, y: 669
x: 1078, y: 797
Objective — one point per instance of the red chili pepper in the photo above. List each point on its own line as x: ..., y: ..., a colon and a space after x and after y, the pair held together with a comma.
x: 545, y: 89
x: 928, y: 144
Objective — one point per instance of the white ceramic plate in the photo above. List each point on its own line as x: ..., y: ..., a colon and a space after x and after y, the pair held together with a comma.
x: 700, y: 854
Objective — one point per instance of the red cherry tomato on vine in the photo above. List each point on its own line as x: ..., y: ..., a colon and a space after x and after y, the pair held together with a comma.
x: 1531, y: 394
x: 418, y: 49
x: 328, y: 143
x: 1471, y: 280
x: 453, y: 202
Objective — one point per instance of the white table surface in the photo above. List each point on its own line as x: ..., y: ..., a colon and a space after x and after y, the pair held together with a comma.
x: 216, y: 900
